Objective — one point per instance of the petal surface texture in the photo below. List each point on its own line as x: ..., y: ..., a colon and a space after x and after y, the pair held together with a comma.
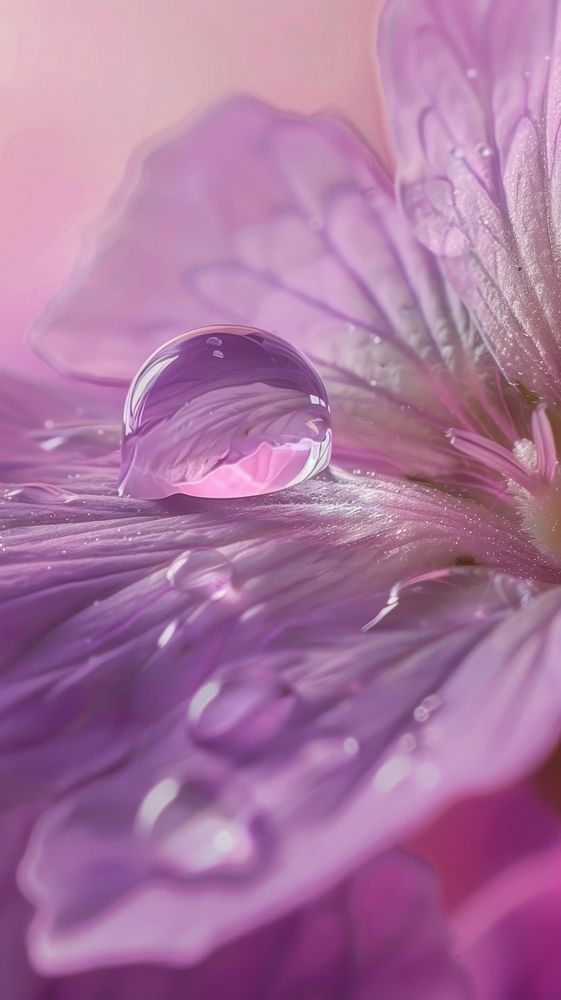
x: 244, y: 676
x: 474, y: 99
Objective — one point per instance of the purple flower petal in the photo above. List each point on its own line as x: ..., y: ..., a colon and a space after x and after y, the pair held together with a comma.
x: 257, y: 217
x: 372, y: 737
x: 508, y: 933
x: 474, y: 97
x: 344, y: 944
x: 255, y: 659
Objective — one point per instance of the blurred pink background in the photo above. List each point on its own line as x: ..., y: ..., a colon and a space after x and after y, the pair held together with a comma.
x: 83, y: 82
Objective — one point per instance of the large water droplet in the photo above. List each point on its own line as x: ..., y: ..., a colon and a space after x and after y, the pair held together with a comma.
x: 224, y: 412
x: 192, y: 831
x: 240, y: 712
x: 451, y: 598
x: 207, y: 570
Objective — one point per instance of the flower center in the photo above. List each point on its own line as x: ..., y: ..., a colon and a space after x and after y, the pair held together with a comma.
x: 532, y: 474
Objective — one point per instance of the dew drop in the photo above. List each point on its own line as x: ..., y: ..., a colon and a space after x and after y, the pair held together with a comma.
x: 202, y: 569
x: 450, y: 598
x: 240, y: 712
x: 471, y: 73
x: 237, y: 413
x: 191, y: 830
x: 39, y: 493
x: 483, y: 150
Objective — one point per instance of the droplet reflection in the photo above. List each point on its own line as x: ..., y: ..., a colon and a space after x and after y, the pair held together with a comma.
x: 188, y: 829
x: 224, y: 412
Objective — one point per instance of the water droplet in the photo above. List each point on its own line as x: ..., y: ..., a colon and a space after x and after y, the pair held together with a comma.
x: 241, y: 711
x: 392, y: 773
x: 471, y: 73
x: 483, y: 150
x: 214, y: 341
x: 451, y: 598
x: 255, y: 423
x: 39, y: 493
x: 190, y: 829
x: 458, y: 153
x: 89, y: 438
x: 428, y: 705
x: 202, y: 569
x: 407, y: 743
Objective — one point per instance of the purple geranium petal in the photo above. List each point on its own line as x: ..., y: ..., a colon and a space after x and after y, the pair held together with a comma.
x: 93, y: 608
x: 508, y: 933
x: 344, y: 944
x: 288, y: 224
x: 348, y: 745
x: 474, y: 96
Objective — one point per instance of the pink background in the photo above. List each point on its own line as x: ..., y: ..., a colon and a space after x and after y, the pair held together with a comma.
x: 83, y: 82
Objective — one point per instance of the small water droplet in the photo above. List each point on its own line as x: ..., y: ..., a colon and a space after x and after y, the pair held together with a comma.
x: 90, y: 438
x: 407, y: 743
x: 193, y: 831
x: 458, y: 153
x: 483, y: 150
x: 214, y: 341
x: 451, y: 597
x: 39, y: 493
x: 256, y: 423
x: 241, y: 711
x: 428, y: 706
x: 392, y: 772
x: 471, y: 73
x: 202, y: 569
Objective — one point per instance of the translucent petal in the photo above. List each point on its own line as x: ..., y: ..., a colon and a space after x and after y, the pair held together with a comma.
x: 473, y: 92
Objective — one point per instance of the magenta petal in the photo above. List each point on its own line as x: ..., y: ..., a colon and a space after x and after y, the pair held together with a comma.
x: 344, y: 944
x: 474, y: 97
x: 508, y: 933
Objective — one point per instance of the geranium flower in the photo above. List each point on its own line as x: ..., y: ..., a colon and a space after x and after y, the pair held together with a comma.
x: 214, y: 710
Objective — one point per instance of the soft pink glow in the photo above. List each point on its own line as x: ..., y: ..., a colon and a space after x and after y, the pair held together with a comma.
x: 83, y: 83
